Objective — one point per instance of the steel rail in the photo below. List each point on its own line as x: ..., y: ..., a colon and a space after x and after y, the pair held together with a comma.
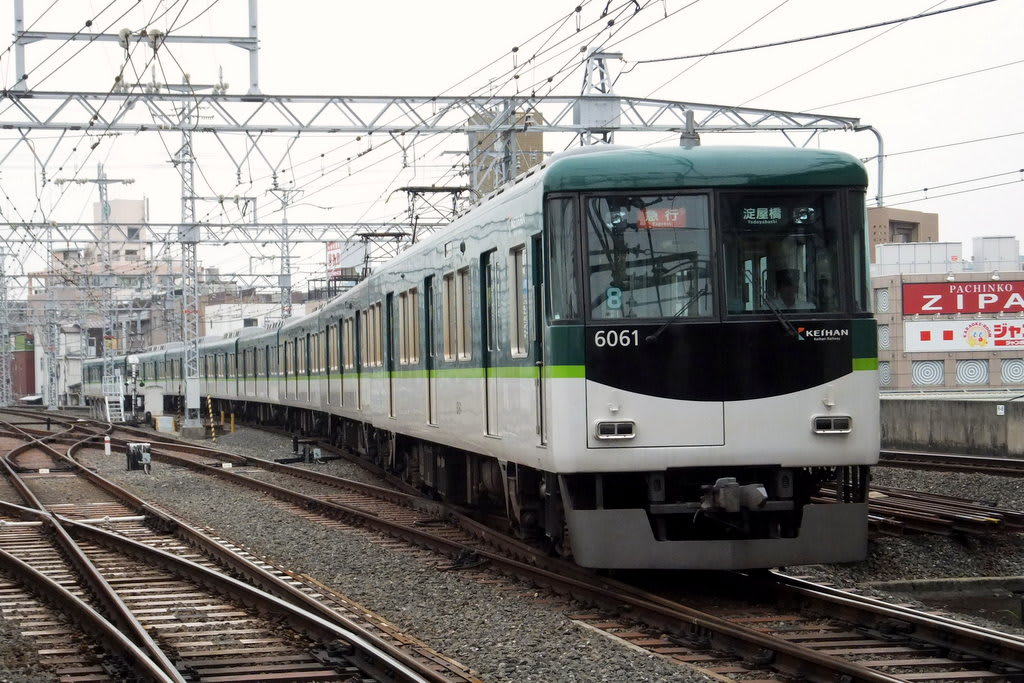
x: 931, y: 630
x: 104, y: 592
x: 83, y: 614
x: 1008, y: 467
x: 670, y: 615
x: 789, y: 657
x: 383, y: 665
x: 393, y: 663
x: 984, y: 643
x: 262, y: 578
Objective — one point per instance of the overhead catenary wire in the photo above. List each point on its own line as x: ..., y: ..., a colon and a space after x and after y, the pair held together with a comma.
x: 950, y: 194
x: 957, y: 182
x: 718, y: 51
x: 859, y: 45
x: 920, y: 85
x: 509, y: 74
x: 343, y: 163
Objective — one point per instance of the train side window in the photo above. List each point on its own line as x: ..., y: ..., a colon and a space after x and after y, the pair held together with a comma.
x: 414, y: 326
x: 408, y: 327
x: 403, y: 328
x: 490, y: 301
x: 364, y: 338
x: 564, y: 258
x: 464, y: 314
x: 380, y: 335
x: 321, y: 351
x: 369, y: 356
x: 371, y: 336
x: 318, y: 358
x: 451, y: 326
x: 348, y: 345
x: 330, y: 335
x: 518, y: 285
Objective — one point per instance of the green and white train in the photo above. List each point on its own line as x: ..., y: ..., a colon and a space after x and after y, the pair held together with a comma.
x: 648, y: 358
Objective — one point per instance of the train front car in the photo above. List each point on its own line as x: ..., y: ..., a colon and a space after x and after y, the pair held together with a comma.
x: 712, y: 303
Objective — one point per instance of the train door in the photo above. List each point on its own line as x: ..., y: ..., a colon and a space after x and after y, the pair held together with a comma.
x: 489, y: 341
x: 360, y: 345
x: 538, y: 342
x: 428, y: 357
x: 296, y: 370
x: 307, y: 351
x: 266, y: 368
x: 330, y: 345
x: 389, y: 349
x: 345, y: 362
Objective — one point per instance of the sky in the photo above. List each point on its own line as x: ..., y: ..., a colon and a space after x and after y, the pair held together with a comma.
x: 943, y: 91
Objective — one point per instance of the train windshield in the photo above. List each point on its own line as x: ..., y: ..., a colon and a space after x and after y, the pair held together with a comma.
x: 649, y: 256
x: 781, y: 251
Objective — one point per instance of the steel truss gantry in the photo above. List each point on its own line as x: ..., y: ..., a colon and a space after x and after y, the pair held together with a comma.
x: 210, y: 233
x: 137, y: 112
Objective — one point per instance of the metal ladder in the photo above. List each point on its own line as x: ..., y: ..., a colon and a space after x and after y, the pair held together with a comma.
x: 113, y: 398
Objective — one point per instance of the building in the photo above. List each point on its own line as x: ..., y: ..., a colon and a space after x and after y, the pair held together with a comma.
x: 888, y: 226
x: 949, y: 324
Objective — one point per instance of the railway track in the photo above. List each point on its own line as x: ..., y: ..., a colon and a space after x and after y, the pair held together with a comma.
x: 1004, y: 467
x: 156, y: 581
x: 828, y: 635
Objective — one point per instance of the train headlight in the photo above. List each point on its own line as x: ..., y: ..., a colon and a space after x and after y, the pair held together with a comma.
x: 618, y: 429
x: 833, y: 424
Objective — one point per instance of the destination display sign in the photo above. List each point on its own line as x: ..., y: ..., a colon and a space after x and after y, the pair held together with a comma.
x: 963, y: 335
x: 650, y: 219
x: 963, y: 297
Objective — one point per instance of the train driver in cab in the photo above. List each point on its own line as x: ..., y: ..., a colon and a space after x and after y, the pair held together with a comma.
x: 787, y: 292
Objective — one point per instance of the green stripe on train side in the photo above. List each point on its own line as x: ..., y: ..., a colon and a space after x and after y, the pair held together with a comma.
x: 865, y: 364
x: 502, y: 372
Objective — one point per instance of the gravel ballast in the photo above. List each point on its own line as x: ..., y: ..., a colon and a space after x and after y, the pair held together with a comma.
x: 508, y: 635
x: 503, y: 635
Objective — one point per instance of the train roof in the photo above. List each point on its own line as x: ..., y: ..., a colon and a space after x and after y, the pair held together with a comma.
x: 618, y: 167
x: 628, y: 168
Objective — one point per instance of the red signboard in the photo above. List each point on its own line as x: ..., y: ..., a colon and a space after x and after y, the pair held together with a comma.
x: 963, y: 297
x: 661, y: 218
x: 333, y: 260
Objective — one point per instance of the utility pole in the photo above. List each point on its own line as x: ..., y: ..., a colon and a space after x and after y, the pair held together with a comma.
x: 52, y: 342
x: 188, y: 235
x: 6, y: 393
x: 285, y: 281
x: 598, y: 113
x: 52, y: 352
x: 113, y: 388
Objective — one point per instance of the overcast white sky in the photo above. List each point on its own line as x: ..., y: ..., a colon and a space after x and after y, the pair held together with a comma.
x: 461, y: 47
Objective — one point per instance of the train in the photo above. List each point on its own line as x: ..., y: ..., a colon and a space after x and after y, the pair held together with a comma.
x: 600, y: 351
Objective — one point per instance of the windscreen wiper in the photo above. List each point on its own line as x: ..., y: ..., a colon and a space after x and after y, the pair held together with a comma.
x: 786, y: 325
x: 686, y: 305
x: 783, y: 320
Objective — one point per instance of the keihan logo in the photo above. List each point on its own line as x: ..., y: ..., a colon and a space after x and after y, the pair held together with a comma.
x: 824, y: 334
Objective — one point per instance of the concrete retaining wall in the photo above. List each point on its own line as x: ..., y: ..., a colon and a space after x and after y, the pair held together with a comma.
x: 972, y: 427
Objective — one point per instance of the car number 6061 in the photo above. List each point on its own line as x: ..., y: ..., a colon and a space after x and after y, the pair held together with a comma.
x: 604, y: 338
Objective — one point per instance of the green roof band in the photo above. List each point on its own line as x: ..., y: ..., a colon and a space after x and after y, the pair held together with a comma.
x: 713, y: 166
